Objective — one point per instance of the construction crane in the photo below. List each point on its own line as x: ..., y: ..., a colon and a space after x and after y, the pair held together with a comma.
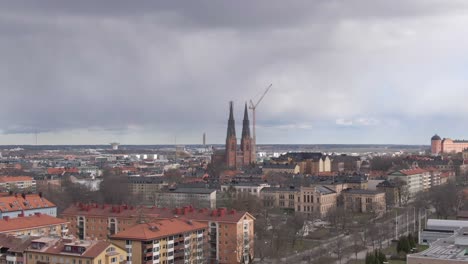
x: 254, y: 107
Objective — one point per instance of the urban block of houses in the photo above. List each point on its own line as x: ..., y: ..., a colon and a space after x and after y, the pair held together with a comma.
x: 231, y: 232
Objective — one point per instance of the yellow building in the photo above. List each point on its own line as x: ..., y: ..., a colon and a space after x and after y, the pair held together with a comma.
x: 57, y: 251
x: 316, y: 200
x: 165, y: 241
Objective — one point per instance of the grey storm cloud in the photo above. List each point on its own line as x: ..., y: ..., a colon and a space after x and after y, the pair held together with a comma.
x: 174, y: 65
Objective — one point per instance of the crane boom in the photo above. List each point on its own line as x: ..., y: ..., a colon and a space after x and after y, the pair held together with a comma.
x: 254, y: 107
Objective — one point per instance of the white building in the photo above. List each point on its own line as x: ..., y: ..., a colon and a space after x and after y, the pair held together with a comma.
x: 415, y: 180
x: 242, y: 188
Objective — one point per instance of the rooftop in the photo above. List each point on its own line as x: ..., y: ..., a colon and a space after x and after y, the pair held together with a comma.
x: 56, y: 246
x: 362, y: 191
x: 159, y: 229
x: 191, y: 190
x: 29, y: 222
x: 21, y: 202
x: 5, y: 179
x: 187, y: 212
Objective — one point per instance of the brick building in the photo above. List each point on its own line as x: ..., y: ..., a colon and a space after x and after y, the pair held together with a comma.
x: 233, y: 156
x: 231, y: 232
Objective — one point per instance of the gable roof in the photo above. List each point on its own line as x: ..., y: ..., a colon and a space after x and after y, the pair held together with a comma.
x: 14, y: 203
x: 29, y: 222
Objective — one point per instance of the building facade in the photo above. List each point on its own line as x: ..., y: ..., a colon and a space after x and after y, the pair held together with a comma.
x: 146, y: 187
x: 362, y: 201
x: 165, y: 241
x: 17, y: 184
x: 447, y: 145
x: 316, y: 200
x: 179, y: 197
x: 414, y: 180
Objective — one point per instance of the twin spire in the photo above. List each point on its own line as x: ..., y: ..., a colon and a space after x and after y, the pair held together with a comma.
x: 231, y: 130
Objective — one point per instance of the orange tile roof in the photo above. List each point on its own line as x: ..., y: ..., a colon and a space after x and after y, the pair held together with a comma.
x: 5, y: 179
x: 29, y: 222
x: 205, y: 214
x: 18, y: 203
x: 160, y: 229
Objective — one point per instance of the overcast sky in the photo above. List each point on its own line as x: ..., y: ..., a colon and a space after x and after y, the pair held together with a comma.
x: 148, y: 72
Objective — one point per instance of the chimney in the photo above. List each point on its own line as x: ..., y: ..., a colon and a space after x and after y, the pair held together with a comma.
x: 37, y: 214
x: 23, y: 195
x: 6, y: 218
x: 40, y: 194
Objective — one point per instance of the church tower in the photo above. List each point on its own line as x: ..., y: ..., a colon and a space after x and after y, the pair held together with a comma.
x: 246, y: 140
x: 231, y: 141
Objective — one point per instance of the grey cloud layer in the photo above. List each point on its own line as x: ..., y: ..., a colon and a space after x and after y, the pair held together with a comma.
x: 117, y: 65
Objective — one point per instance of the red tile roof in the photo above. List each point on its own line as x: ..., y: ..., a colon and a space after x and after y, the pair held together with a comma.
x: 188, y: 212
x: 18, y: 203
x: 160, y: 229
x: 93, y: 248
x: 29, y: 222
x: 5, y: 179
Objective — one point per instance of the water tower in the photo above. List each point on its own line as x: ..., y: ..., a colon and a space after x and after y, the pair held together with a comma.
x: 115, y: 145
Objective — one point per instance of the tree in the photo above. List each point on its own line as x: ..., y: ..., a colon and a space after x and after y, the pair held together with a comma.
x: 411, y: 241
x: 403, y: 245
x: 358, y: 242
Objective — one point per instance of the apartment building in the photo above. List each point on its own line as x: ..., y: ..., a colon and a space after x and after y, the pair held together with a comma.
x: 415, y: 180
x: 362, y: 201
x: 316, y: 200
x: 231, y: 232
x: 280, y: 168
x: 36, y: 225
x: 17, y: 184
x: 179, y: 197
x: 244, y: 188
x: 170, y: 241
x: 55, y: 250
x: 16, y: 205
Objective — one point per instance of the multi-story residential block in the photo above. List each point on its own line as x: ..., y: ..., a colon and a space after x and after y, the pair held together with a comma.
x: 178, y: 197
x: 345, y: 163
x: 316, y: 200
x: 26, y: 205
x: 146, y: 187
x: 55, y: 250
x: 165, y: 241
x: 415, y: 180
x: 434, y: 176
x: 231, y: 233
x: 37, y: 225
x: 363, y: 201
x: 17, y: 184
x: 244, y: 188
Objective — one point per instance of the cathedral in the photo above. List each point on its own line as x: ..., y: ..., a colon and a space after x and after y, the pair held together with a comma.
x: 234, y: 157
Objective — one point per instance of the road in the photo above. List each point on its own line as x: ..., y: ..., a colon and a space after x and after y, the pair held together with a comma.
x: 327, y: 246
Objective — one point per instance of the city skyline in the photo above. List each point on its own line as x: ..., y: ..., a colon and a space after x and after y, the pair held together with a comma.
x: 352, y: 72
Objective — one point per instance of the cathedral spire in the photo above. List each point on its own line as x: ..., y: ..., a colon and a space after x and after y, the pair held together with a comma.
x: 245, y: 125
x: 231, y: 130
